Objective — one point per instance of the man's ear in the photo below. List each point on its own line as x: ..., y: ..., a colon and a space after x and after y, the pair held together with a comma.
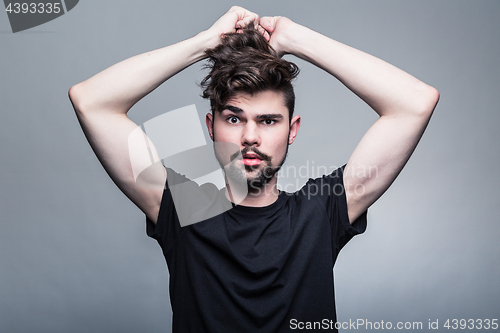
x: 210, y: 125
x: 294, y: 129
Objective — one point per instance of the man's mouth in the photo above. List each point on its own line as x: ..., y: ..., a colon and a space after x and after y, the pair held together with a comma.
x: 251, y: 159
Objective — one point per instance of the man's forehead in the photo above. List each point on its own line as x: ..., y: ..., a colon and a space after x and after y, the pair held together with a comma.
x: 265, y: 102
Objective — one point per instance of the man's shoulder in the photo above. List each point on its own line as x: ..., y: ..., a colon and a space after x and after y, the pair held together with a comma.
x: 326, y: 185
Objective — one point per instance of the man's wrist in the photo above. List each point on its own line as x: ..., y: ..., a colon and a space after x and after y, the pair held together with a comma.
x: 207, y: 39
x: 293, y: 40
x: 286, y: 38
x: 302, y: 42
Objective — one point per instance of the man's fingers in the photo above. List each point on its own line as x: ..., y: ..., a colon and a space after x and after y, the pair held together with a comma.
x: 246, y: 19
x: 261, y: 30
x: 267, y: 23
x: 264, y: 32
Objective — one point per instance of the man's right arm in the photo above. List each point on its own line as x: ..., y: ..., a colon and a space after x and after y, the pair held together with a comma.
x: 102, y: 102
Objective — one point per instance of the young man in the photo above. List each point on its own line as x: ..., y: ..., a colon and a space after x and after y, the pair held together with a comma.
x: 266, y: 263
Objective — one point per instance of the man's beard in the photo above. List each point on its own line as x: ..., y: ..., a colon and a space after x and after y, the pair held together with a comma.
x: 263, y: 176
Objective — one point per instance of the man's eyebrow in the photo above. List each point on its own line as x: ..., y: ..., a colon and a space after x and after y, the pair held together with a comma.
x: 276, y: 116
x: 233, y: 109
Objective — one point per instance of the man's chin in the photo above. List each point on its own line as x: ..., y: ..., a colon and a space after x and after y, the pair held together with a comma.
x: 259, y: 178
x: 253, y: 177
x: 253, y: 170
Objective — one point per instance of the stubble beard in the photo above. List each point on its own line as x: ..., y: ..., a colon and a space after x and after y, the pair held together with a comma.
x: 241, y: 174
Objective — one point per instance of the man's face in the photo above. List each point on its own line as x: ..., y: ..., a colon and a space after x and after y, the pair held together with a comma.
x: 259, y: 126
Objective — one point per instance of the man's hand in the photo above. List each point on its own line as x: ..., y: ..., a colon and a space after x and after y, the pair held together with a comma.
x: 235, y: 19
x: 277, y: 32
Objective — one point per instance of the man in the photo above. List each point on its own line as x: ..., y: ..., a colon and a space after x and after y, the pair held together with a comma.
x: 266, y: 263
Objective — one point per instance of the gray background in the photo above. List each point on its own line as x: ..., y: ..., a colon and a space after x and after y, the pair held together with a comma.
x: 74, y: 256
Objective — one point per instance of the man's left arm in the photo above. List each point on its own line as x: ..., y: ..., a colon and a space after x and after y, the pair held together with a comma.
x: 403, y: 103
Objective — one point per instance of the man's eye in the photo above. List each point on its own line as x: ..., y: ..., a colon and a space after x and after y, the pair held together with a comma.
x: 269, y: 122
x: 233, y: 120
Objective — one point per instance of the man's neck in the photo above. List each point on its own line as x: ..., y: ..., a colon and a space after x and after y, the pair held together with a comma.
x: 257, y: 197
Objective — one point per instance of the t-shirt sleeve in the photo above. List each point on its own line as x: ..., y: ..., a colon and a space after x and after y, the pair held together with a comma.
x: 167, y: 225
x: 330, y: 190
x: 183, y: 202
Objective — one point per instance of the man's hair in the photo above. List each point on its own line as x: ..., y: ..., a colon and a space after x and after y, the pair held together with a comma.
x: 245, y: 62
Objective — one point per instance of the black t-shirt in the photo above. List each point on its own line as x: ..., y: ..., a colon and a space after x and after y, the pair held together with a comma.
x: 255, y: 269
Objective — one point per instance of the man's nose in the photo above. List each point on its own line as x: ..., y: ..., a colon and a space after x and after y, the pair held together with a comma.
x: 250, y: 135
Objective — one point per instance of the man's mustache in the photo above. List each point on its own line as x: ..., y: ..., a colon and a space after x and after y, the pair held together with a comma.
x: 254, y: 150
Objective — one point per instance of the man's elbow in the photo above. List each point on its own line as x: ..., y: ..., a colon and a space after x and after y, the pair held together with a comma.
x: 75, y: 96
x: 428, y: 97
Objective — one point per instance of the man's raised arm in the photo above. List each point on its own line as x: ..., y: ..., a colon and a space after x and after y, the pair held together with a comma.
x: 102, y: 102
x: 403, y: 103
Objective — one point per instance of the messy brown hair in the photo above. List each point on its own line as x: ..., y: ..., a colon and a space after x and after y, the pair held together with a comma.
x: 245, y: 62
